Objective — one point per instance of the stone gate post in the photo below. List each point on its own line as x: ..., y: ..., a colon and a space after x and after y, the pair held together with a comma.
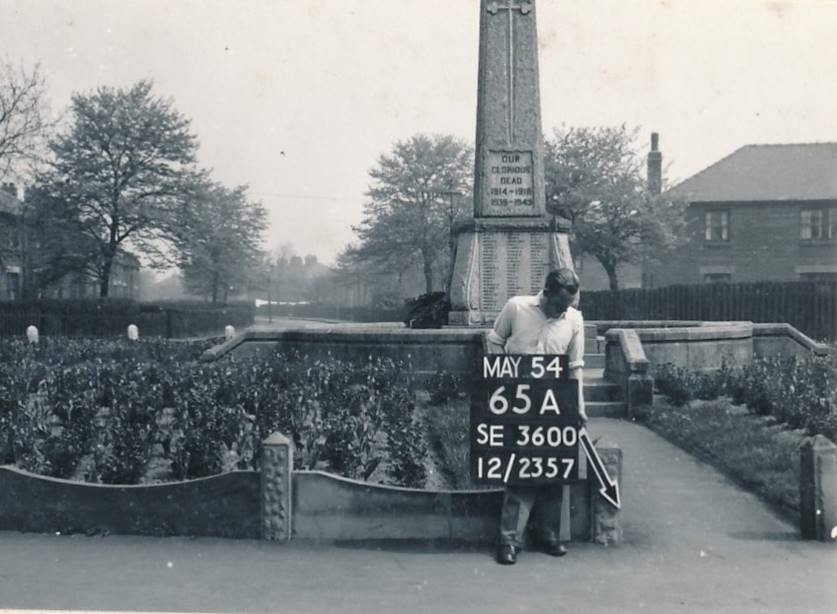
x: 277, y: 470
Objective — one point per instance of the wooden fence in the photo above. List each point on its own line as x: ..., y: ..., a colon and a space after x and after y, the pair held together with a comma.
x: 110, y: 317
x: 810, y: 307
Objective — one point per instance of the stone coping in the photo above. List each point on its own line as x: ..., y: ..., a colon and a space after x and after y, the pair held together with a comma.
x: 350, y: 333
x: 632, y: 350
x: 604, y: 325
x: 402, y: 489
x: 786, y: 330
x: 710, y: 332
x: 168, y: 484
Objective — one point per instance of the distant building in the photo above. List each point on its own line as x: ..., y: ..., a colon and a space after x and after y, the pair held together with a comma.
x: 10, y: 261
x: 16, y: 237
x: 124, y: 281
x: 763, y: 213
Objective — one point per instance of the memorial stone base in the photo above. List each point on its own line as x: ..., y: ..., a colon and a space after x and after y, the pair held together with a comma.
x: 500, y: 258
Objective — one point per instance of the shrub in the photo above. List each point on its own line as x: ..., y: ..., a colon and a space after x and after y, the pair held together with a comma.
x: 406, y: 445
x: 674, y: 382
x: 444, y: 386
x: 798, y: 392
x: 427, y: 311
x: 110, y: 411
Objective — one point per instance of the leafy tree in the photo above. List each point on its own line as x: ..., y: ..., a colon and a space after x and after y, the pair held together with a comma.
x: 412, y: 205
x: 594, y: 178
x: 219, y: 244
x: 123, y: 168
x: 23, y: 118
x: 50, y: 243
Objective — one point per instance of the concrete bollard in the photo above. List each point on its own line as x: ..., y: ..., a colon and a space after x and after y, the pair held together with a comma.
x: 818, y: 489
x: 229, y: 332
x: 277, y: 470
x: 605, y: 524
x: 133, y: 332
x: 32, y: 334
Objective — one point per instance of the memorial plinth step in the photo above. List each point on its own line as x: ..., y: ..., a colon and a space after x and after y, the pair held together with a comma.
x: 594, y: 361
x: 599, y: 389
x: 605, y: 409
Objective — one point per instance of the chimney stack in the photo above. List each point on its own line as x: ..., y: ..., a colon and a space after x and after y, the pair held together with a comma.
x: 655, y: 166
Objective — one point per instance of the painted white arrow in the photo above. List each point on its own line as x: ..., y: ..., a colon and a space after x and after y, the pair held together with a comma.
x: 609, y: 487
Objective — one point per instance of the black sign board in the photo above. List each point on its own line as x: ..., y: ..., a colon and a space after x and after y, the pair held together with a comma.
x: 525, y: 422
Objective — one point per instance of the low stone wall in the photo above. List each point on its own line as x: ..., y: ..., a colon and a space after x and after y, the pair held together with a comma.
x: 627, y: 364
x: 702, y: 348
x: 451, y: 350
x: 330, y: 508
x: 784, y: 340
x: 280, y: 504
x: 225, y: 505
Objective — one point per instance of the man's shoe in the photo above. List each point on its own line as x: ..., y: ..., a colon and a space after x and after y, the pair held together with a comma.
x: 555, y: 548
x: 506, y: 554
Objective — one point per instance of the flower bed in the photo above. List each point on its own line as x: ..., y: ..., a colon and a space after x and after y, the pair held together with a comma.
x: 749, y: 421
x: 800, y: 393
x: 127, y: 412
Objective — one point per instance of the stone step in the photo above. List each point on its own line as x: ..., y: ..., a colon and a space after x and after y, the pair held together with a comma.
x: 594, y: 361
x: 605, y: 409
x: 601, y: 390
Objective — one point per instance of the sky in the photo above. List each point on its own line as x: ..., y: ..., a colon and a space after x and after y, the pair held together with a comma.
x: 298, y: 98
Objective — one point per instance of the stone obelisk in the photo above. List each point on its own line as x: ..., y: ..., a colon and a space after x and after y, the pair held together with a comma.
x: 511, y: 243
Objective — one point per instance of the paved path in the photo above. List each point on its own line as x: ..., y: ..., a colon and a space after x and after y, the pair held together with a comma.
x: 693, y: 543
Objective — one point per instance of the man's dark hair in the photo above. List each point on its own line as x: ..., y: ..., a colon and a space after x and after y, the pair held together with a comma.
x: 561, y: 278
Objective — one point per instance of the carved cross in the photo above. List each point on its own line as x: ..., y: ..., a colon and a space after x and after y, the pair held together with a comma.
x: 525, y: 8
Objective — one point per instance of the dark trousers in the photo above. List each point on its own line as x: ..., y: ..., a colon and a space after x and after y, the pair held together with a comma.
x: 518, y: 504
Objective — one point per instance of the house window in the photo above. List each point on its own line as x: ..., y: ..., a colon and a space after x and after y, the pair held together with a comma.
x: 14, y: 286
x: 717, y: 278
x: 813, y: 225
x: 716, y: 225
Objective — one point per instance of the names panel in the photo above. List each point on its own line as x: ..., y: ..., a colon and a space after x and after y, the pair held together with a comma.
x: 511, y: 263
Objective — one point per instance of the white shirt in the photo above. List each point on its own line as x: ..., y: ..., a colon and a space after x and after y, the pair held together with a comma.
x: 523, y: 328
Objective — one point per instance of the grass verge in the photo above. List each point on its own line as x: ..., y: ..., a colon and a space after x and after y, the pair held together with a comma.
x: 754, y: 451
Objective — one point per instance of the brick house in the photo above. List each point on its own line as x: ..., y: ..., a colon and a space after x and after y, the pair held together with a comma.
x: 10, y: 264
x: 763, y: 213
x: 16, y: 237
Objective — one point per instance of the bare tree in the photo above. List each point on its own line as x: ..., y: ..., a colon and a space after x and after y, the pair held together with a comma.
x: 23, y: 118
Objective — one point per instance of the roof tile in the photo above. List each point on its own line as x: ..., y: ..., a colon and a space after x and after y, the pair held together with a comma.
x: 794, y: 171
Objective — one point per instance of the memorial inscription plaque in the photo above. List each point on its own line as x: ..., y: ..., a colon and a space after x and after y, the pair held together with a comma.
x: 510, y: 180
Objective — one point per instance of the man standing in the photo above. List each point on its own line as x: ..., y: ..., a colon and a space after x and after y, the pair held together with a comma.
x: 546, y: 323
